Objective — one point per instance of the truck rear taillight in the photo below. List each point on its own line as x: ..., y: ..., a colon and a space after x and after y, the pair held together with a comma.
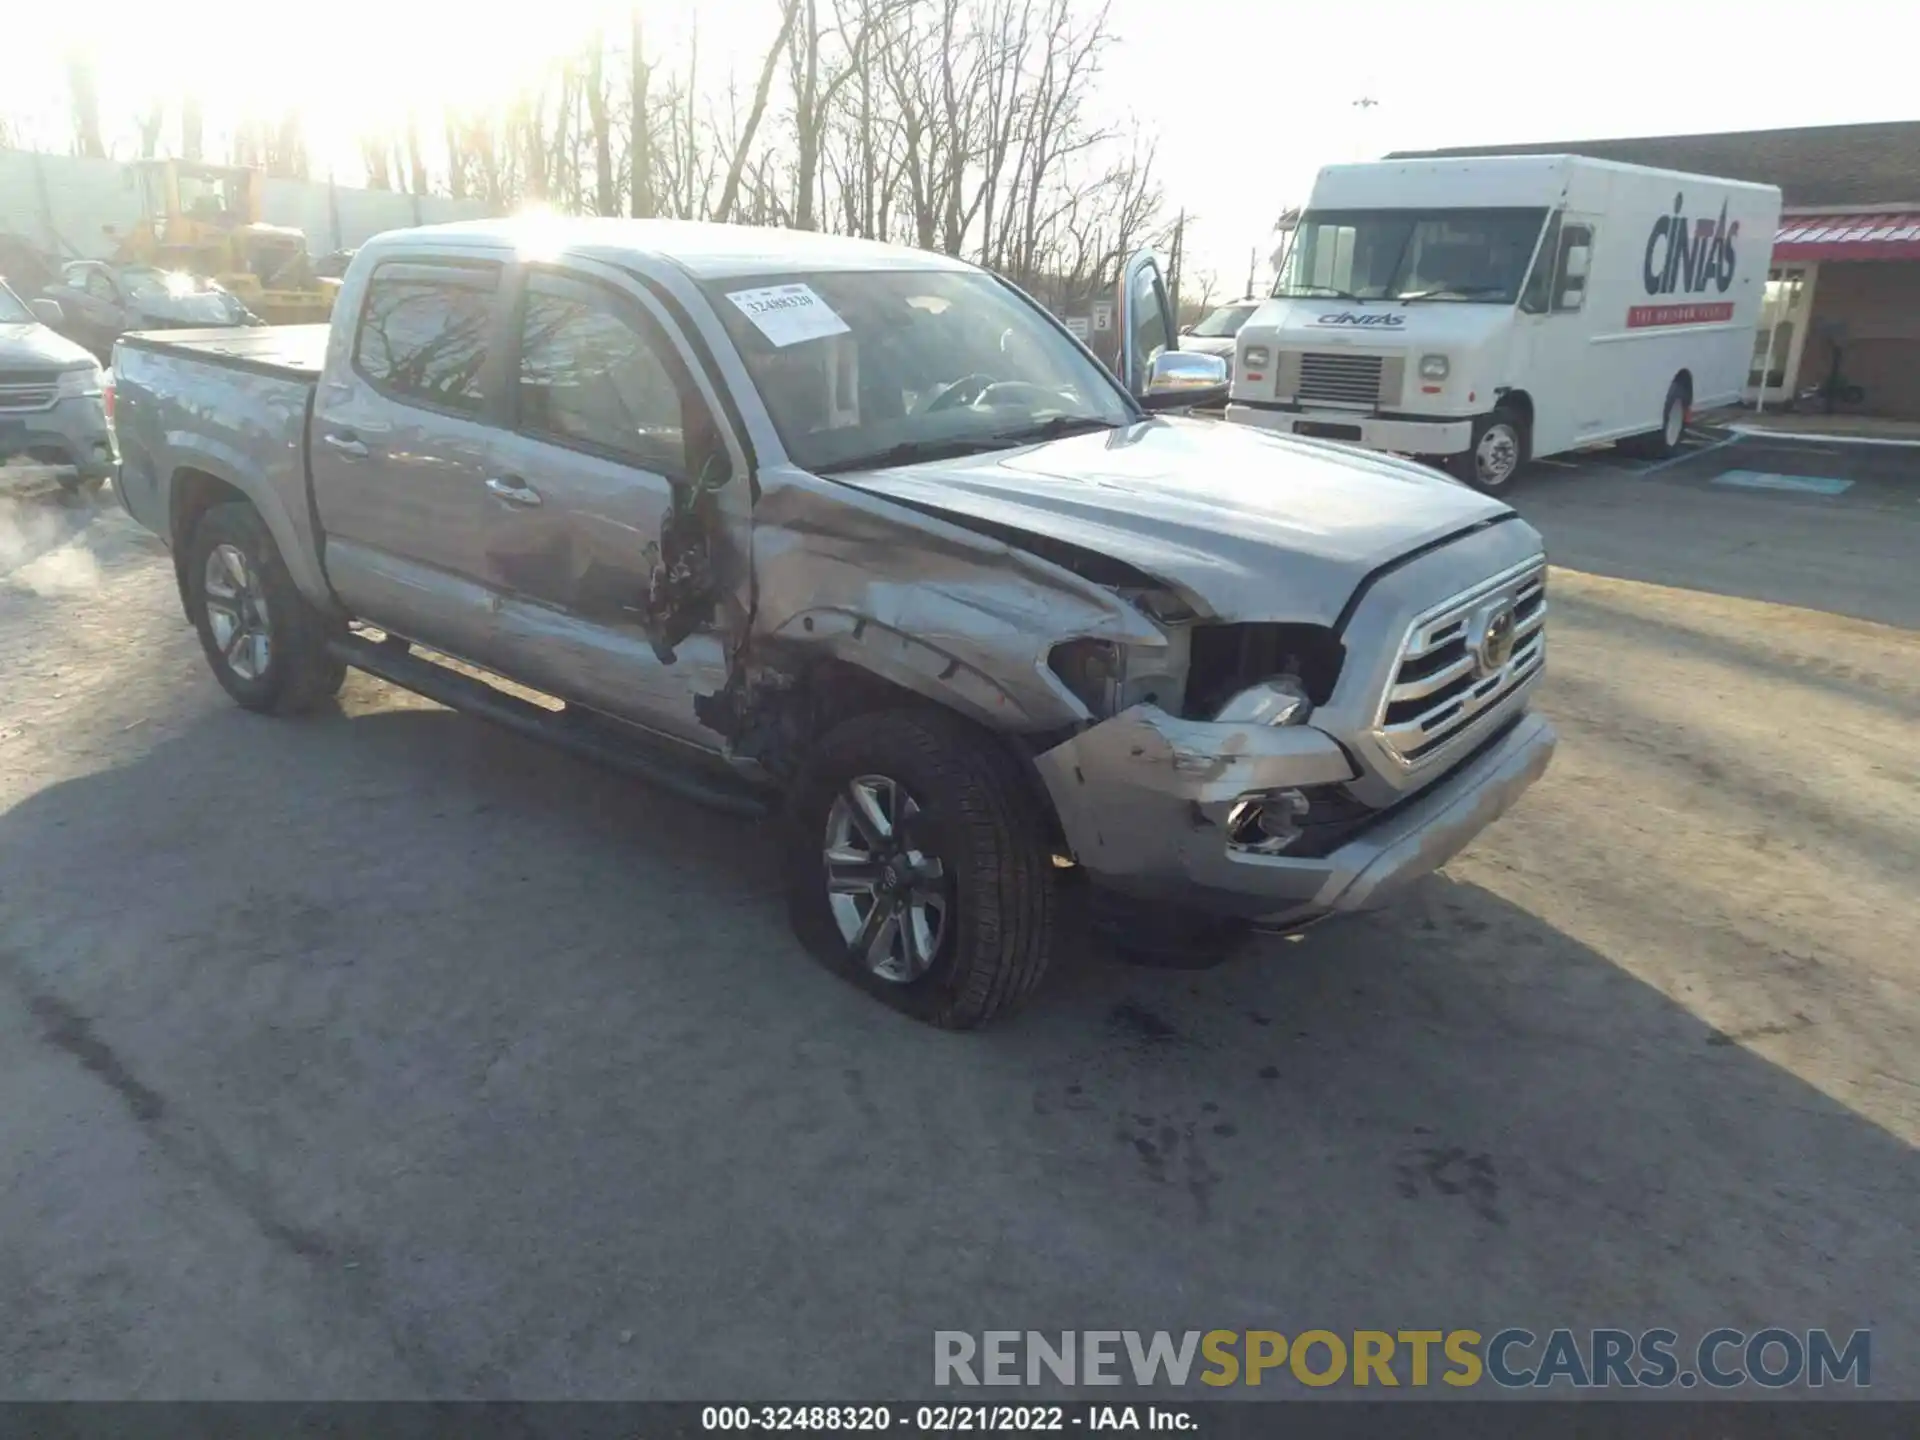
x: 106, y: 395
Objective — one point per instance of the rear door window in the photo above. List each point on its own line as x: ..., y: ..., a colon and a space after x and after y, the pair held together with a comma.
x: 424, y: 332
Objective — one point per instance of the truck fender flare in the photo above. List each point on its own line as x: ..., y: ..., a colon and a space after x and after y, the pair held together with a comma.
x: 189, y: 454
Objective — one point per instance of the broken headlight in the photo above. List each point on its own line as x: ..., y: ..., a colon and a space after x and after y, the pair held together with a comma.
x: 1094, y: 670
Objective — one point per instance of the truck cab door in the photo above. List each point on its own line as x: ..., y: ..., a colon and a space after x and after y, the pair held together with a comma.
x: 1151, y: 365
x: 398, y: 447
x: 1554, y: 356
x: 618, y: 544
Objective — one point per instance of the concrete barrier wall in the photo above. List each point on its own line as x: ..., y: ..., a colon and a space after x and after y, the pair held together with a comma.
x: 61, y: 202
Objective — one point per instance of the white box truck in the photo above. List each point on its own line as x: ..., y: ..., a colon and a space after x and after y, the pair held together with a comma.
x: 1482, y: 311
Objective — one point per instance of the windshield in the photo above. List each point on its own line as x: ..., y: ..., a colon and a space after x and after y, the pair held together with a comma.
x: 187, y: 297
x: 13, y: 310
x: 1454, y: 255
x: 1225, y: 321
x: 878, y: 367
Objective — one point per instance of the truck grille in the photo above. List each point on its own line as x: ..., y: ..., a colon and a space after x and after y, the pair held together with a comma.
x: 1461, y: 661
x: 24, y: 390
x: 1339, y: 379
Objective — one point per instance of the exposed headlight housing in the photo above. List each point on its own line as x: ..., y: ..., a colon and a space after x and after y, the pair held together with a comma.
x: 1434, y: 367
x: 1094, y: 670
x: 1282, y: 700
x: 75, y: 383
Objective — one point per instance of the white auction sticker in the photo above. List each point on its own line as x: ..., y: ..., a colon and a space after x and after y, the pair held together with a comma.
x: 788, y: 314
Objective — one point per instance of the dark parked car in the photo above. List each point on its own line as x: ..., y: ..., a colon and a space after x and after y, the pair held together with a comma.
x: 102, y: 302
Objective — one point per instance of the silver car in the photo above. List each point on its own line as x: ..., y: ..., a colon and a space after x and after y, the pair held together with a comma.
x: 53, y: 399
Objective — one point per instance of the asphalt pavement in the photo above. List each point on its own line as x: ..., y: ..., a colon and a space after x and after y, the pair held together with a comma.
x: 383, y: 1054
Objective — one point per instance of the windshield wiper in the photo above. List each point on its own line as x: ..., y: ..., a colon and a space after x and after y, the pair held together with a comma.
x: 911, y: 452
x: 1053, y: 429
x: 1293, y: 290
x: 1463, y: 292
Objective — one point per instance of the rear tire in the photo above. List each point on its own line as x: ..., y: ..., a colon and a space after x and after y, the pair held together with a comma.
x: 267, y: 645
x: 963, y: 866
x: 1665, y: 442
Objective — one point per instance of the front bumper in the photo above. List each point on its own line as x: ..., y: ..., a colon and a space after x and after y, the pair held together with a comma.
x: 72, y: 436
x: 1142, y: 799
x: 1403, y: 437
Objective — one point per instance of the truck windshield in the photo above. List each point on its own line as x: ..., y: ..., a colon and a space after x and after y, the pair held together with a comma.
x: 862, y: 368
x: 1477, y: 256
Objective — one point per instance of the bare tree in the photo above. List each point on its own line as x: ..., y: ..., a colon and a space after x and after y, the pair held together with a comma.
x: 84, y: 91
x: 640, y: 125
x: 599, y: 114
x: 789, y: 12
x: 192, y: 137
x: 150, y: 121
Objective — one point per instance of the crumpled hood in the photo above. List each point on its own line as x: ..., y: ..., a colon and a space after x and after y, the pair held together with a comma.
x: 1246, y: 524
x: 32, y: 346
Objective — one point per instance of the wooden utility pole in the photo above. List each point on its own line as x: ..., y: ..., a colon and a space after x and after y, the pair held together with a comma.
x: 1179, y: 257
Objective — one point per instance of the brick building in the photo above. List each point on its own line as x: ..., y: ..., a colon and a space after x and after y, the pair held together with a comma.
x: 1845, y: 277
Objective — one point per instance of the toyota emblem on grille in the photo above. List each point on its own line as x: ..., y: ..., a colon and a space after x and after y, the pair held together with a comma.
x: 1490, y: 637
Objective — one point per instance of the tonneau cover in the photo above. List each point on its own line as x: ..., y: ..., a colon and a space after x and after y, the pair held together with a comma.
x: 296, y: 351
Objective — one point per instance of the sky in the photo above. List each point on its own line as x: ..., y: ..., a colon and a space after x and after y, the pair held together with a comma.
x: 1247, y: 99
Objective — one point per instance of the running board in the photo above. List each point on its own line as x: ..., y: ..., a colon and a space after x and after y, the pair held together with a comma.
x: 603, y: 741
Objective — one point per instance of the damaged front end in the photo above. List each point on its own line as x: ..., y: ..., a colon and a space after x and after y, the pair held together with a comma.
x: 1257, y: 820
x: 1189, y: 757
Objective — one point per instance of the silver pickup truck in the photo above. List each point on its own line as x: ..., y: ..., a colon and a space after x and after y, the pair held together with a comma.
x: 859, y: 537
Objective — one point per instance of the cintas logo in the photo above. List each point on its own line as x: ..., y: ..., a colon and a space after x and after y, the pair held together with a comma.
x: 1686, y: 257
x: 1362, y: 319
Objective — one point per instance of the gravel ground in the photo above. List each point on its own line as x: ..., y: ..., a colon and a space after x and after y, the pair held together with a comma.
x: 384, y: 1054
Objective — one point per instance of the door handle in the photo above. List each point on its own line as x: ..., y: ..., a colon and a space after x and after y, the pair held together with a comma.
x: 513, y: 490
x: 347, y: 443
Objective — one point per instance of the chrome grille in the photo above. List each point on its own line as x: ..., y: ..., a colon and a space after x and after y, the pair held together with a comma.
x: 1333, y: 379
x: 23, y: 393
x: 1450, y: 681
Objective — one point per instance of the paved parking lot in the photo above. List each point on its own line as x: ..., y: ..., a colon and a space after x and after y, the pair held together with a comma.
x: 385, y: 1054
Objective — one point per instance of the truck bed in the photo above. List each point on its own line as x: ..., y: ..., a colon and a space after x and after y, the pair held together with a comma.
x: 227, y: 404
x: 293, y: 352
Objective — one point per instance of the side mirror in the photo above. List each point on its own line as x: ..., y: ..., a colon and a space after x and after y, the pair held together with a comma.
x: 48, y: 313
x: 1185, y: 379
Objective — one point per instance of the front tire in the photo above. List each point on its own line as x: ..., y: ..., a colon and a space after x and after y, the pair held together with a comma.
x: 919, y: 866
x: 1500, y: 447
x: 267, y: 645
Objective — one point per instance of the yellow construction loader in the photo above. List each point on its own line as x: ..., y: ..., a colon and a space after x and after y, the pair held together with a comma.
x: 205, y: 220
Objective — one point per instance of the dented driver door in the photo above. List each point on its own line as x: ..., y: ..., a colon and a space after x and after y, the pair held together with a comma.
x: 617, y: 539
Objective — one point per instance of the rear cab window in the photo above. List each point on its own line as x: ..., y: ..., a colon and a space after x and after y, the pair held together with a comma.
x: 424, y: 330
